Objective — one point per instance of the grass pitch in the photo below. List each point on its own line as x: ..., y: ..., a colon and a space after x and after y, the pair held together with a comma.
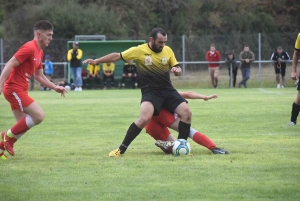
x: 66, y: 157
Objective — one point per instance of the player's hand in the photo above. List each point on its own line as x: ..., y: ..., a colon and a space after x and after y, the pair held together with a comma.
x: 1, y: 89
x: 211, y: 97
x: 279, y: 60
x: 90, y: 61
x: 294, y: 76
x: 61, y: 90
x: 176, y: 70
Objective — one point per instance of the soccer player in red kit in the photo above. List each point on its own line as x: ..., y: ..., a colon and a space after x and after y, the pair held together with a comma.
x: 14, y: 85
x: 158, y: 128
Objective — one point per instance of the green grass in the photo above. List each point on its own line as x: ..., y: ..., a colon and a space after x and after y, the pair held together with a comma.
x: 66, y: 157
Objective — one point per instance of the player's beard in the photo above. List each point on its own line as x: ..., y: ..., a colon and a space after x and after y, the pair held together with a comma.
x: 155, y: 48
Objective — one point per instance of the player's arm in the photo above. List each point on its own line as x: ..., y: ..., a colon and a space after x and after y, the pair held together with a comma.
x: 194, y: 95
x: 41, y: 78
x: 110, y: 58
x: 176, y: 70
x: 294, y: 75
x: 13, y: 62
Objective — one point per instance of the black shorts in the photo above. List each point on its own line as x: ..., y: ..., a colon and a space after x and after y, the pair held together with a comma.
x: 298, y: 85
x: 281, y: 70
x: 167, y: 98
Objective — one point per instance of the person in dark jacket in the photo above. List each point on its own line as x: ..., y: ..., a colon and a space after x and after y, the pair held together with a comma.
x: 231, y: 61
x: 279, y: 56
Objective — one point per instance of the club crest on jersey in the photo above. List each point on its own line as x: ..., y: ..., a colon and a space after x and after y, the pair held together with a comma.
x: 148, y: 60
x: 164, y: 61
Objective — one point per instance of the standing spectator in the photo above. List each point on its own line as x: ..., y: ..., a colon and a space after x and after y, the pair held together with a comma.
x: 108, y: 72
x: 74, y: 56
x: 280, y: 66
x: 130, y: 71
x: 246, y: 57
x: 48, y: 67
x: 94, y: 73
x: 213, y: 68
x: 231, y: 61
x: 14, y: 85
x: 294, y: 76
x: 48, y: 70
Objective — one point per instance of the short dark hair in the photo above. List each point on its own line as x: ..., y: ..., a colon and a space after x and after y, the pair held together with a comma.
x: 156, y: 31
x: 43, y: 25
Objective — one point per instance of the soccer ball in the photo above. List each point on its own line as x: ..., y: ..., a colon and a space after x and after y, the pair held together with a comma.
x: 181, y: 147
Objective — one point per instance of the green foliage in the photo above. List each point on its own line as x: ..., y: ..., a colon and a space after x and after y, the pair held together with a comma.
x: 66, y: 157
x: 135, y: 19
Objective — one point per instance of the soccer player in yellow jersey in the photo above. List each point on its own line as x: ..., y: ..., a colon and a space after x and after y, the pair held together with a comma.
x: 155, y: 62
x: 294, y: 76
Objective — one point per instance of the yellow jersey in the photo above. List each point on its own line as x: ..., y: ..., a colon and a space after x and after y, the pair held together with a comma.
x: 108, y: 67
x: 297, y: 43
x: 154, y: 67
x: 93, y: 69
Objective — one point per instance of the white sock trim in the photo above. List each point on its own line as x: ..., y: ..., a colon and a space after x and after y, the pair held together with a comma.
x: 192, y: 133
x: 29, y: 121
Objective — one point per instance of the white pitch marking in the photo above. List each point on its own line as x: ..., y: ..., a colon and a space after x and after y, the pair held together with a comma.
x: 270, y: 92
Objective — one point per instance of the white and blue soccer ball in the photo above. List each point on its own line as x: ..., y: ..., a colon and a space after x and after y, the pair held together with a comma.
x: 181, y: 147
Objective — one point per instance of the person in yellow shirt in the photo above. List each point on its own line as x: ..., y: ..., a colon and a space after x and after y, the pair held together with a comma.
x: 93, y: 73
x: 74, y: 57
x: 108, y: 72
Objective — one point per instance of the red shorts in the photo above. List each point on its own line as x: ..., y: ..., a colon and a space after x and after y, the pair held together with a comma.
x: 17, y: 98
x: 158, y: 125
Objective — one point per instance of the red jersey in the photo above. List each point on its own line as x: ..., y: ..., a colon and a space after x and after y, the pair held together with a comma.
x: 213, y: 57
x: 30, y: 59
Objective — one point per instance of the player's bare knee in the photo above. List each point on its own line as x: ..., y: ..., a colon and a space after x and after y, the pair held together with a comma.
x: 39, y: 117
x: 142, y: 121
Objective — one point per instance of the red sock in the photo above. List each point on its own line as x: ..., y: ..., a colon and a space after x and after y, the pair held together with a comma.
x: 204, y: 140
x: 20, y: 127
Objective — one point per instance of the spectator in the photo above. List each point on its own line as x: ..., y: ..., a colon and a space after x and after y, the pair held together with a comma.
x: 93, y: 74
x: 48, y: 67
x: 246, y: 57
x: 213, y: 55
x: 280, y: 66
x: 130, y: 71
x: 231, y: 61
x: 48, y: 70
x: 108, y: 72
x: 74, y: 56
